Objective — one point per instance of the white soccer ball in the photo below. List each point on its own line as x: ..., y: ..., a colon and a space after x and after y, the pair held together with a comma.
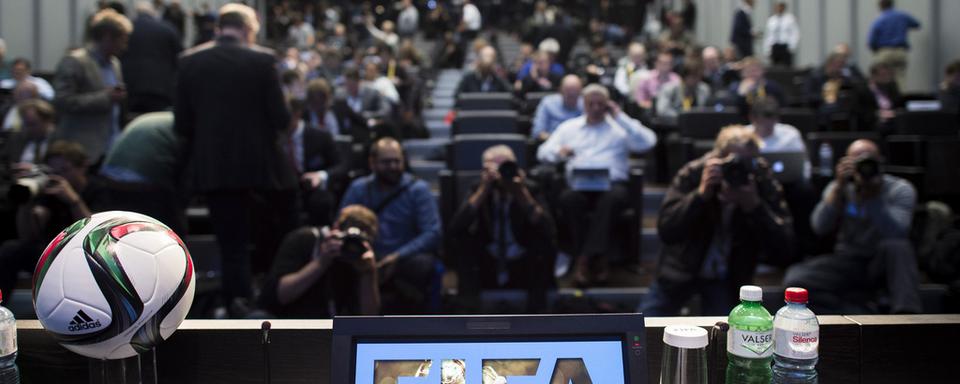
x: 113, y: 285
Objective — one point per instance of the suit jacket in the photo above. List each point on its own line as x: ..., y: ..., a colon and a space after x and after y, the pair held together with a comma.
x: 13, y: 148
x: 742, y: 34
x: 670, y: 99
x: 150, y: 64
x: 374, y: 106
x: 230, y: 112
x: 473, y: 82
x: 320, y: 154
x: 687, y: 221
x: 83, y: 101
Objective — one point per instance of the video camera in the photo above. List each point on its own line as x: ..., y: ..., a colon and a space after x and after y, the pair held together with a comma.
x: 27, y: 186
x: 352, y: 242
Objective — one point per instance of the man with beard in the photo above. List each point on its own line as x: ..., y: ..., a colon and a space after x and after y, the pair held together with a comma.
x: 409, y: 229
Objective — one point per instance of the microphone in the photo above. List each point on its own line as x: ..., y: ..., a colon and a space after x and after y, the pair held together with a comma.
x: 265, y: 341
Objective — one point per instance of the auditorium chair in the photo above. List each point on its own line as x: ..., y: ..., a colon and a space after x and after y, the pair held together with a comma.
x: 928, y: 123
x: 532, y: 100
x: 804, y: 119
x: 484, y: 122
x: 485, y: 101
x: 705, y: 123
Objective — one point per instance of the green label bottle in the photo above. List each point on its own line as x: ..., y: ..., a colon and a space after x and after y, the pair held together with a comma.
x: 750, y: 340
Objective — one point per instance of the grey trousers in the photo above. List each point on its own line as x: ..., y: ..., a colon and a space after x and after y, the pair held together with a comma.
x: 835, y: 280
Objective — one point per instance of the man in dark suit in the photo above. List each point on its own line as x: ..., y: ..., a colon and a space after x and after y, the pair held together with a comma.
x: 359, y: 108
x: 483, y: 79
x: 150, y: 62
x: 322, y: 171
x: 230, y: 111
x: 742, y: 34
x: 28, y: 146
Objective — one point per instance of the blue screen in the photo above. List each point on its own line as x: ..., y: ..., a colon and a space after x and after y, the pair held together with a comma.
x: 541, y: 362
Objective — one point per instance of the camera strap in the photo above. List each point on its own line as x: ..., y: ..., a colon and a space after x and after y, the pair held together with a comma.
x: 393, y: 196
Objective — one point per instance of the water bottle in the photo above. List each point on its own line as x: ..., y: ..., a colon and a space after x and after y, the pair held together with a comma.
x: 749, y: 340
x: 9, y: 374
x: 684, y: 355
x: 796, y: 336
x: 826, y: 160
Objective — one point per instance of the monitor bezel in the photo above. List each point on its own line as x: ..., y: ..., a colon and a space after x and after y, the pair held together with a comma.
x: 628, y: 328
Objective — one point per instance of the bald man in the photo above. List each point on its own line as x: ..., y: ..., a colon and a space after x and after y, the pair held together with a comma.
x: 409, y: 226
x: 557, y: 108
x: 870, y: 214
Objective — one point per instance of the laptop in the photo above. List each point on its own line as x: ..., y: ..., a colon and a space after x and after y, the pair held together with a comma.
x: 787, y: 167
x: 590, y: 179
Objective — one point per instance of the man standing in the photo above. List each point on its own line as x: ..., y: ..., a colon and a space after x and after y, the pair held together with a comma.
x: 782, y: 36
x: 600, y: 139
x: 150, y: 65
x: 230, y: 112
x: 741, y: 36
x: 89, y: 86
x: 870, y: 213
x: 888, y: 38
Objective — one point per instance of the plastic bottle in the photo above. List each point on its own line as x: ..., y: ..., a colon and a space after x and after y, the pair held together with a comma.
x: 684, y: 355
x: 9, y: 374
x: 826, y: 160
x: 796, y: 336
x: 749, y: 340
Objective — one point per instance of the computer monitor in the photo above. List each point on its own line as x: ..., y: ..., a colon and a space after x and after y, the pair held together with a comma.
x: 578, y: 349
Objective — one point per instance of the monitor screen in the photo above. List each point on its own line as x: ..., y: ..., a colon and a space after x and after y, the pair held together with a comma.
x: 560, y: 349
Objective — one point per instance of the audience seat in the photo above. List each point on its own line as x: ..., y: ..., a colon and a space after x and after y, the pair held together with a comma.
x: 485, y: 101
x: 930, y: 123
x: 464, y: 151
x: 532, y: 100
x: 705, y: 123
x: 484, y: 122
x: 804, y: 119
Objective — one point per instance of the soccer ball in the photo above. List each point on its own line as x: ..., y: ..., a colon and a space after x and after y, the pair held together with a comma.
x: 113, y: 285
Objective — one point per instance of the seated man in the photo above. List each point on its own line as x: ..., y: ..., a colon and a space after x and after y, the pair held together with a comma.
x: 754, y: 86
x: 57, y: 203
x: 318, y: 164
x: 601, y: 139
x: 680, y: 97
x: 502, y: 235
x: 557, y: 108
x: 358, y: 107
x: 20, y: 73
x: 26, y: 147
x: 316, y: 276
x: 483, y: 78
x: 837, y: 95
x: 722, y: 214
x: 540, y: 78
x: 880, y: 109
x: 319, y: 115
x: 648, y: 88
x: 630, y: 69
x: 870, y: 214
x: 950, y: 88
x: 409, y: 226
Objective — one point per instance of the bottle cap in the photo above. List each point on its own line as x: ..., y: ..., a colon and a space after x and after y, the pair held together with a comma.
x: 795, y: 295
x: 751, y: 293
x: 685, y: 336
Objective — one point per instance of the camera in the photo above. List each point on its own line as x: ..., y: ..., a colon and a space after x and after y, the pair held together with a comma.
x: 737, y: 170
x: 867, y: 168
x: 28, y: 186
x: 352, y: 243
x: 508, y: 171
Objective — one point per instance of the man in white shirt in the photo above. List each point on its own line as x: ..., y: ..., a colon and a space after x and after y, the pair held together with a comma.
x: 777, y: 137
x: 601, y: 139
x: 471, y: 22
x: 409, y: 19
x: 630, y: 69
x: 20, y: 71
x: 782, y: 36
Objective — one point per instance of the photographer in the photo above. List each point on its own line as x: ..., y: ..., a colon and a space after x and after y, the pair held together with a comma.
x: 720, y: 216
x: 321, y: 272
x: 870, y: 214
x: 63, y: 196
x: 502, y: 235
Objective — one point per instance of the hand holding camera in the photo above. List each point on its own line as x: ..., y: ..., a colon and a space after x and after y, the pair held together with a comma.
x: 711, y: 178
x: 351, y: 245
x: 60, y: 188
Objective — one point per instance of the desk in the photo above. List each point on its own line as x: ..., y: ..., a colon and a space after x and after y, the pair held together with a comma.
x: 854, y: 349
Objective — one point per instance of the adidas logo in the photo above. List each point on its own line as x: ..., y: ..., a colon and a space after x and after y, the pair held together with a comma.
x: 82, y: 321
